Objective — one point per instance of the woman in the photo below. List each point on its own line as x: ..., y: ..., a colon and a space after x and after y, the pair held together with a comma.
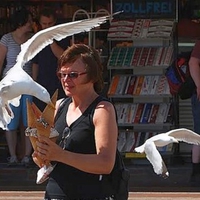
x: 10, y: 47
x: 88, y: 130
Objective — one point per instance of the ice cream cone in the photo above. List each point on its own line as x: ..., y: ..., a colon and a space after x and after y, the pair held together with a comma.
x: 31, y: 119
x: 48, y: 113
x: 36, y: 110
x: 42, y: 121
x: 46, y: 120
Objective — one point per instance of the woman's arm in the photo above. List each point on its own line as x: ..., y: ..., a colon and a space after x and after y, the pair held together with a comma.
x: 194, y: 64
x: 56, y: 49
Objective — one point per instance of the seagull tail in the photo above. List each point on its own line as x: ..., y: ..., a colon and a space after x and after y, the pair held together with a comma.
x: 3, y: 124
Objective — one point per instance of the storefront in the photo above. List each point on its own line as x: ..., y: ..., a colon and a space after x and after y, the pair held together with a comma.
x: 177, y: 28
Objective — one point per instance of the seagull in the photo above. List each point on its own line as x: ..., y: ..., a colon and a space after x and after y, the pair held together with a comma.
x: 163, y: 139
x: 18, y: 82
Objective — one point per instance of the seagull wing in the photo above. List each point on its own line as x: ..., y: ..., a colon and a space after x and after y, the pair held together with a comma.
x: 6, y: 91
x: 155, y: 159
x: 140, y: 149
x: 29, y: 50
x: 5, y: 86
x: 185, y: 135
x: 15, y: 102
x: 5, y: 118
x: 45, y: 37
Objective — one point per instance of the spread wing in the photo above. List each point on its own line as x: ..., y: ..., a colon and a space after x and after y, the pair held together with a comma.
x: 185, y: 135
x: 155, y: 159
x: 45, y: 37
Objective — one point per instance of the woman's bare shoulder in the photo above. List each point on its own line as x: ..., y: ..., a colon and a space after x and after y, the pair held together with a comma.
x: 58, y: 102
x: 105, y: 106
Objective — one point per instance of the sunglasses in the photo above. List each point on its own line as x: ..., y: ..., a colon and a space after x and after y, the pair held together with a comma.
x: 66, y: 133
x: 72, y: 75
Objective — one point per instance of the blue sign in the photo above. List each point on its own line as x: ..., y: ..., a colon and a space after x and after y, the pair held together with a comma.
x: 146, y: 8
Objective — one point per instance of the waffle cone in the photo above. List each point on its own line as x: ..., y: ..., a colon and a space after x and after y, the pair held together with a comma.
x: 48, y: 113
x: 42, y: 121
x: 36, y: 110
x: 31, y: 118
x: 43, y: 128
x: 37, y: 119
x: 48, y: 117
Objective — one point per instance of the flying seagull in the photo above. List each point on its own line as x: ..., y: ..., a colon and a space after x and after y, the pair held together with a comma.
x: 18, y: 82
x: 163, y: 139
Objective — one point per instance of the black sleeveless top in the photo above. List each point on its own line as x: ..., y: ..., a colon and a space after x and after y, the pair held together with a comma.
x: 67, y: 182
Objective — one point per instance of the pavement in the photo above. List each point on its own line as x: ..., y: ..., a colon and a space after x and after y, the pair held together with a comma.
x: 142, y: 179
x: 18, y: 183
x: 38, y: 195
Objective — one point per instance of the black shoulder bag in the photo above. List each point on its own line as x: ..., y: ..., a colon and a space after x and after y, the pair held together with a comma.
x: 119, y: 177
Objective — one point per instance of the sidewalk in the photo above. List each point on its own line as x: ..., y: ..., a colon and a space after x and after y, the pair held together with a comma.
x: 38, y: 195
x: 143, y: 179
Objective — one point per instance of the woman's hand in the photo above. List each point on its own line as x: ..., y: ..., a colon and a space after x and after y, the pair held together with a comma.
x: 36, y: 160
x: 47, y: 149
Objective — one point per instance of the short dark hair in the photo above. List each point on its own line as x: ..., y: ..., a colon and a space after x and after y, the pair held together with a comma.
x: 90, y: 57
x: 20, y: 18
x: 48, y: 12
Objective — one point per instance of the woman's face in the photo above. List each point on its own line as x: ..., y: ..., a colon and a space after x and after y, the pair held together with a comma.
x: 74, y: 78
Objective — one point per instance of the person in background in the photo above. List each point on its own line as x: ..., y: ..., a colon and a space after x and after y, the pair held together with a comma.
x: 45, y: 62
x: 188, y: 22
x: 194, y: 66
x: 87, y: 124
x: 10, y: 47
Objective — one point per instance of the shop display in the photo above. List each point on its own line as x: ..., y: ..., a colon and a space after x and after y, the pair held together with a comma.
x: 141, y: 51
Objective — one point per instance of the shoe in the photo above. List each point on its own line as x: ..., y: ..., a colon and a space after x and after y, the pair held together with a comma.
x: 12, y: 161
x: 26, y: 161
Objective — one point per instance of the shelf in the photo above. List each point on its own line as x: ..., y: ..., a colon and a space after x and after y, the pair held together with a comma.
x: 143, y: 155
x: 147, y: 127
x: 141, y: 70
x: 138, y: 86
x: 134, y: 155
x: 186, y: 44
x: 138, y: 67
x: 144, y: 98
x: 155, y: 41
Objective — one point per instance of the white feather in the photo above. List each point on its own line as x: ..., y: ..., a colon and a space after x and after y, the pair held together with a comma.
x: 18, y: 82
x: 45, y: 37
x: 163, y: 139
